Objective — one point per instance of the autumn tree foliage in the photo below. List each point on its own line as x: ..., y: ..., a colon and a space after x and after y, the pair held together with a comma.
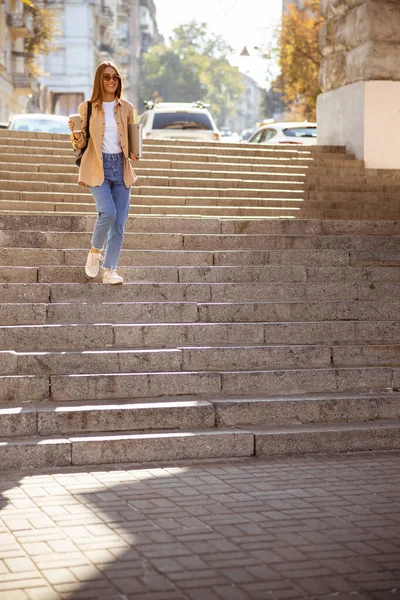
x: 44, y: 28
x: 300, y: 58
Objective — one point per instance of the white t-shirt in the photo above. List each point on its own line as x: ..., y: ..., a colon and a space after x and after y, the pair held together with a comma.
x: 111, y: 140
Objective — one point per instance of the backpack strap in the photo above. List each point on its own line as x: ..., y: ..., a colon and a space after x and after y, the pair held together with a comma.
x: 89, y: 114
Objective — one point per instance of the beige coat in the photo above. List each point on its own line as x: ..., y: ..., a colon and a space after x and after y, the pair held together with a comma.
x: 91, y: 170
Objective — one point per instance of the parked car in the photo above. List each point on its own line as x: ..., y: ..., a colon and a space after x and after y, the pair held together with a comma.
x: 230, y: 137
x: 179, y: 121
x: 246, y: 133
x: 304, y: 133
x: 40, y: 122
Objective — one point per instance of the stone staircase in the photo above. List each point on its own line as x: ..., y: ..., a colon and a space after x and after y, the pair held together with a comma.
x: 219, y: 180
x: 238, y: 335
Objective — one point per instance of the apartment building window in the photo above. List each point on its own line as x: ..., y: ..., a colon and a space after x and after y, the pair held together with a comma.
x: 55, y: 63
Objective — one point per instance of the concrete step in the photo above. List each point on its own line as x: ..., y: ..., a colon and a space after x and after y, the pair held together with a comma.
x: 91, y: 361
x: 108, y: 386
x: 105, y: 448
x: 115, y: 312
x: 48, y: 418
x: 150, y: 258
x: 177, y: 312
x: 314, y: 169
x: 347, y: 333
x: 373, y: 310
x: 211, y: 274
x: 197, y: 242
x: 310, y: 178
x: 37, y: 257
x: 318, y: 149
x: 65, y: 138
x: 332, y: 438
x: 275, y: 208
x: 221, y: 212
x: 69, y: 418
x: 204, y: 204
x: 60, y: 162
x: 134, y: 224
x: 199, y: 292
x: 193, y: 147
x: 75, y: 223
x: 196, y: 358
x: 177, y: 186
x: 44, y: 156
x: 268, y: 274
x: 263, y: 210
x: 200, y: 358
x: 161, y: 335
x: 138, y: 446
x: 72, y: 240
x: 148, y: 174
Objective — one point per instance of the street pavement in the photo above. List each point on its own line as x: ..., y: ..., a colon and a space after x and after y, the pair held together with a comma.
x: 309, y: 527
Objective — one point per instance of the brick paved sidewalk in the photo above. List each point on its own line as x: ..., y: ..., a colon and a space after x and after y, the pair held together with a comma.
x: 301, y: 528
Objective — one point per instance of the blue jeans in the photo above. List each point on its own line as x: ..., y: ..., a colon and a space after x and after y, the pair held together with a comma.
x: 112, y: 204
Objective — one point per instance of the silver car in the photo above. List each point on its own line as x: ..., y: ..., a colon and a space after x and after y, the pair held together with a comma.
x: 40, y: 122
x: 179, y: 121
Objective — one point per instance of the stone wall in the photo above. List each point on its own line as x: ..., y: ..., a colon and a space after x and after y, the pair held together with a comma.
x: 360, y: 41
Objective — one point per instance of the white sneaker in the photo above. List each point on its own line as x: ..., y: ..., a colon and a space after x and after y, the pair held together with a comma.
x: 111, y: 276
x: 93, y: 264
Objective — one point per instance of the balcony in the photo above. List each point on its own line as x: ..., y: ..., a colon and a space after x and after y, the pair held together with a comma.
x: 23, y: 83
x: 146, y: 21
x: 20, y: 24
x: 3, y: 66
x: 105, y: 50
x: 106, y: 16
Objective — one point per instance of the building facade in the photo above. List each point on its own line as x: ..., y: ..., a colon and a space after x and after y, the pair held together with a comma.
x: 17, y: 86
x: 248, y: 108
x: 90, y: 32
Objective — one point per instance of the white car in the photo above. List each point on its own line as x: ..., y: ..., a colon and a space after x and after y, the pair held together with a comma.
x: 300, y: 133
x: 40, y: 122
x: 179, y: 121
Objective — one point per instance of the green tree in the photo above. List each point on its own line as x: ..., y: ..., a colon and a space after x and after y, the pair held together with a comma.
x: 193, y: 67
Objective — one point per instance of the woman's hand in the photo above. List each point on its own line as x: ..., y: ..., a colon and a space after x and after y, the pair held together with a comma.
x: 132, y: 156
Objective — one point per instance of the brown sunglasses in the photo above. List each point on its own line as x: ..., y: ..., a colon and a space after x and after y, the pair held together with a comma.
x: 109, y: 77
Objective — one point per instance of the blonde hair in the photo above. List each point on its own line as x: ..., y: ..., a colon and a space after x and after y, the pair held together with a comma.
x: 97, y: 91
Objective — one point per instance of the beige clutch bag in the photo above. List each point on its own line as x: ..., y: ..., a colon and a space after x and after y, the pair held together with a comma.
x: 135, y: 139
